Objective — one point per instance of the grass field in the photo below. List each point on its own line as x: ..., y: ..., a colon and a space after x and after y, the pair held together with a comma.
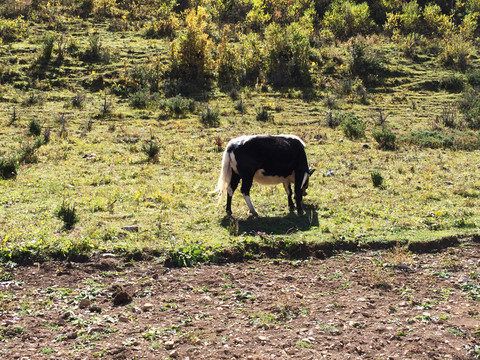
x: 96, y: 157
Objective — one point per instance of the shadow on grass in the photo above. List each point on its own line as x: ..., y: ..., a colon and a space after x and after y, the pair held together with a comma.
x: 277, y: 225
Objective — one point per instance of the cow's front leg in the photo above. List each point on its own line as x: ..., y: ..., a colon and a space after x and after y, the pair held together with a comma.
x: 231, y: 189
x: 298, y: 194
x: 245, y: 189
x: 288, y: 190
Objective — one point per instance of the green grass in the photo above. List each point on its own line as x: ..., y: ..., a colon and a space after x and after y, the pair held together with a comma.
x: 95, y: 159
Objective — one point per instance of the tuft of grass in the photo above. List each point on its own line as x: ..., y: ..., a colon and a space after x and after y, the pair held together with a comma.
x: 68, y: 214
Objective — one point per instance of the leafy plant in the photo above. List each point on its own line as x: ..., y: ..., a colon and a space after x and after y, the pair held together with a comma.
x: 68, y: 214
x: 352, y: 126
x: 377, y: 179
x: 151, y: 148
x: 210, y: 117
x: 263, y: 114
x: 34, y: 127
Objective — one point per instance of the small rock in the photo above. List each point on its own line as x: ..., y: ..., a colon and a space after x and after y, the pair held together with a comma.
x: 71, y: 335
x: 169, y: 344
x: 95, y: 309
x: 108, y: 255
x: 147, y: 307
x: 448, y: 183
x: 173, y: 354
x: 122, y: 298
x: 262, y: 338
x: 122, y: 318
x: 299, y: 295
x: 330, y: 173
x: 84, y: 304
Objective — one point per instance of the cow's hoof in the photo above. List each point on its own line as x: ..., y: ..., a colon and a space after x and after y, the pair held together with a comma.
x: 255, y: 214
x: 300, y: 212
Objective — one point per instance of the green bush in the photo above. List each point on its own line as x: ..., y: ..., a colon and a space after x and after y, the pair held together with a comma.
x: 12, y: 29
x: 161, y: 28
x: 68, y: 214
x: 434, y: 139
x: 408, y: 21
x: 8, y: 168
x: 34, y: 127
x: 47, y: 48
x: 287, y: 53
x: 385, y: 138
x: 151, y: 148
x: 263, y: 114
x: 377, y: 179
x: 210, y: 117
x: 363, y: 61
x: 251, y: 59
x: 347, y: 18
x: 178, y: 106
x: 437, y: 22
x: 455, y: 52
x: 352, y: 126
x: 228, y: 64
x: 469, y: 105
x: 191, y: 62
x: 140, y: 99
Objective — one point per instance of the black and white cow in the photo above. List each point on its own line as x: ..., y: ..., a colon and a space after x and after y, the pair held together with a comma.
x: 267, y: 160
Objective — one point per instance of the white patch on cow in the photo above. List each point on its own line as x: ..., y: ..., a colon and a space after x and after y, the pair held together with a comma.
x: 305, y: 178
x: 233, y: 162
x: 250, y: 205
x: 272, y: 180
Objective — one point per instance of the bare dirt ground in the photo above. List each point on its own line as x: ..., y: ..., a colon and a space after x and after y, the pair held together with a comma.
x: 372, y: 305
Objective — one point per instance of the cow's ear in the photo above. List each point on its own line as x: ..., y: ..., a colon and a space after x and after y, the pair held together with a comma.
x: 310, y: 171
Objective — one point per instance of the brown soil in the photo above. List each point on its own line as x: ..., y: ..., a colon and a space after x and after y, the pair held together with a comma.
x: 372, y: 305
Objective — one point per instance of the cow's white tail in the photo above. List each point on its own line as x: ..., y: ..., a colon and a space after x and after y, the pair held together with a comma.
x: 225, y: 175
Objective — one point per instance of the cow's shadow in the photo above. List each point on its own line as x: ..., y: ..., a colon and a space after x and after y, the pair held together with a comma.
x: 277, y: 225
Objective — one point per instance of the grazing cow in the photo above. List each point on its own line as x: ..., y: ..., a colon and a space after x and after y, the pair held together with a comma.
x: 267, y: 160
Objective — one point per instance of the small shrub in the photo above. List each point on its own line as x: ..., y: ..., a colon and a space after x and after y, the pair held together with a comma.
x: 151, y: 148
x: 263, y: 114
x: 13, y: 117
x: 27, y: 153
x: 46, y: 135
x: 34, y: 127
x: 434, y: 139
x: 469, y: 105
x: 455, y: 52
x: 346, y: 18
x: 178, y: 105
x: 161, y: 28
x: 448, y: 117
x: 385, y: 138
x: 241, y: 107
x: 8, y: 168
x: 140, y: 99
x: 68, y: 214
x: 47, y: 49
x: 377, y: 179
x: 453, y: 83
x: 210, y: 117
x: 353, y: 127
x: 78, y: 100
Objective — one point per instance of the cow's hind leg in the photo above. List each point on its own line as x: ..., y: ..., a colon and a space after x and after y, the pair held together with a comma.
x: 288, y: 190
x: 231, y: 189
x: 245, y: 189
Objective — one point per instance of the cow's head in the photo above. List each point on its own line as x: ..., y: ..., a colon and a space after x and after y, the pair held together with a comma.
x: 306, y: 180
